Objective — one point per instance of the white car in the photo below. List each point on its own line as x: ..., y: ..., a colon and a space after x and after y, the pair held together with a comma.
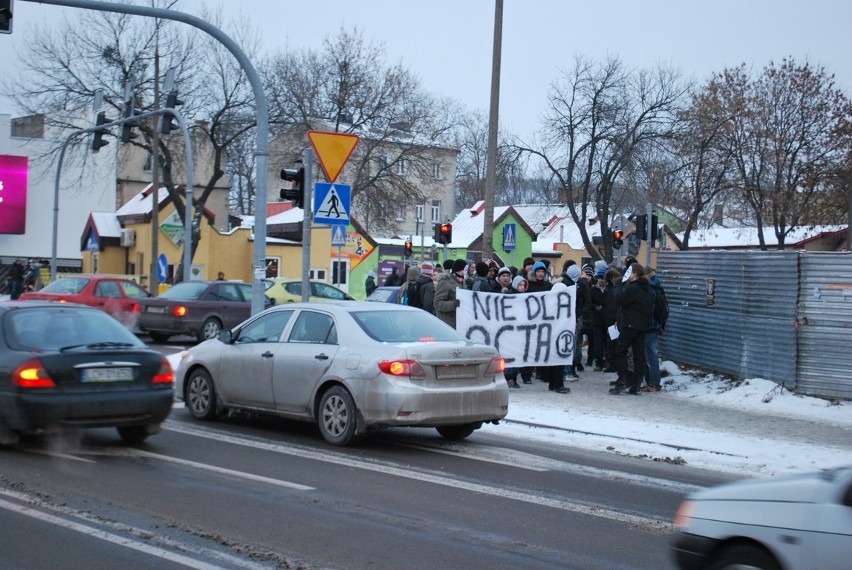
x: 787, y: 523
x: 350, y: 367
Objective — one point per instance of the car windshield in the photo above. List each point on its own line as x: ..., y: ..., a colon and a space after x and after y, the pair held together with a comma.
x: 66, y: 286
x: 405, y: 326
x: 382, y: 294
x: 187, y: 291
x: 50, y: 328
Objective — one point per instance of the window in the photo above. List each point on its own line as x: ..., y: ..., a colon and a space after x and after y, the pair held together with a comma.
x: 267, y: 328
x: 419, y: 212
x: 108, y: 289
x: 402, y: 166
x: 382, y: 165
x: 312, y: 327
x: 436, y: 212
x: 400, y: 212
x: 318, y: 275
x: 436, y: 171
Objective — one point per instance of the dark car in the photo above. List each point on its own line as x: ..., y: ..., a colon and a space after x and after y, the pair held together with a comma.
x: 117, y: 296
x: 196, y: 308
x: 384, y: 294
x: 66, y: 366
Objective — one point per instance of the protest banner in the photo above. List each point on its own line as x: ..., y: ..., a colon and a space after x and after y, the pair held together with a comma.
x: 530, y: 329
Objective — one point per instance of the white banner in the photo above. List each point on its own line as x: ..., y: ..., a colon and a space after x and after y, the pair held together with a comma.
x: 529, y: 329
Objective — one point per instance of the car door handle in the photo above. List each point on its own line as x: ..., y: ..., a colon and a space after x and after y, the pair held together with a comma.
x: 267, y: 354
x: 321, y: 356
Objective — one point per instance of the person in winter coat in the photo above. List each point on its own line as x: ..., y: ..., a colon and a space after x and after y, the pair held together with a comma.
x: 445, y: 292
x: 553, y: 375
x: 504, y: 280
x: 480, y: 279
x: 518, y: 285
x: 571, y: 276
x: 16, y: 279
x: 609, y: 314
x: 598, y: 295
x: 652, y: 353
x: 370, y: 283
x: 393, y: 279
x: 426, y: 287
x: 411, y: 277
x: 635, y: 307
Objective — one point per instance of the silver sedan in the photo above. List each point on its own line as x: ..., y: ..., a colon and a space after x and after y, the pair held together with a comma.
x: 351, y: 368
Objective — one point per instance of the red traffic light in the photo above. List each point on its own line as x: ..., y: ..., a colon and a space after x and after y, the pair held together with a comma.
x: 445, y: 233
x: 618, y: 234
x: 409, y: 248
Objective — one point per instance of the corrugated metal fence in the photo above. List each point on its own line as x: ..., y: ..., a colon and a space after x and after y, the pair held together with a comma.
x: 780, y: 315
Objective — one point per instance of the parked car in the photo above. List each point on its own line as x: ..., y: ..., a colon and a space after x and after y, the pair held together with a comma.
x: 196, y: 308
x: 72, y: 366
x: 117, y: 296
x: 350, y: 368
x: 786, y: 523
x: 283, y: 290
x: 384, y: 294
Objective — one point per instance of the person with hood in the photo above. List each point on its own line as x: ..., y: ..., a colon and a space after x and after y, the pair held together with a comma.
x: 393, y: 279
x: 445, y: 292
x: 571, y: 276
x: 538, y: 281
x: 635, y: 307
x: 426, y: 287
x: 480, y: 279
x: 408, y: 293
x: 493, y: 268
x: 370, y: 283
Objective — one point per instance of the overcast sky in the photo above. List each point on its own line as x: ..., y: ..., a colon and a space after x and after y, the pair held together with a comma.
x: 448, y: 43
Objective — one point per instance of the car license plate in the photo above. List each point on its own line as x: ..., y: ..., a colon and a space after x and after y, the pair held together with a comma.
x: 455, y: 371
x: 158, y: 310
x: 120, y: 374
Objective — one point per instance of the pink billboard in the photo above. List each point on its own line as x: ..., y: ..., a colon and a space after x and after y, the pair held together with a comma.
x: 13, y: 194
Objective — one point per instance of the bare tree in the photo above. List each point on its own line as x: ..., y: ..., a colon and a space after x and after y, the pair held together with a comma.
x: 348, y: 88
x: 789, y: 133
x: 600, y: 116
x: 101, y: 51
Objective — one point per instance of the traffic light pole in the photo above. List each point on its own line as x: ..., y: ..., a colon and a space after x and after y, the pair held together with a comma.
x: 307, y: 216
x: 262, y: 140
x: 189, y: 183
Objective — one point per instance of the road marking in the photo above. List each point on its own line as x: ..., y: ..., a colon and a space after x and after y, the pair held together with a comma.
x: 469, y: 455
x: 60, y: 455
x: 332, y: 457
x: 108, y: 536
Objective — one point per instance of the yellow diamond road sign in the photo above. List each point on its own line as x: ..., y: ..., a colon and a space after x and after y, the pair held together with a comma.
x: 333, y: 150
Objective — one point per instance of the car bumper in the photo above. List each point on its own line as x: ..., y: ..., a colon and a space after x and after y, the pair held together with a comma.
x: 691, y: 551
x: 44, y: 411
x: 172, y: 326
x: 404, y: 403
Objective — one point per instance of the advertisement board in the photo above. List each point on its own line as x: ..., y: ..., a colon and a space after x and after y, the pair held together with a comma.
x: 13, y: 194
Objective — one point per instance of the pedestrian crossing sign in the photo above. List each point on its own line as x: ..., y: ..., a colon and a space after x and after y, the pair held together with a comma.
x: 509, y: 233
x: 338, y: 235
x: 331, y: 203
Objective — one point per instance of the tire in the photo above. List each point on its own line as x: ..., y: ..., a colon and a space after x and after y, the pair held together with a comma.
x: 210, y: 329
x: 159, y: 337
x: 133, y: 434
x: 744, y: 556
x: 456, y: 433
x: 200, y: 395
x: 337, y: 417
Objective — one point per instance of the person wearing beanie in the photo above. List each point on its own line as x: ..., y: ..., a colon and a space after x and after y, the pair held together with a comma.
x: 504, y: 280
x: 582, y: 301
x: 601, y: 265
x: 426, y: 268
x: 448, y: 264
x: 425, y: 286
x: 445, y: 300
x: 598, y: 296
x: 480, y: 280
x: 526, y: 268
x: 518, y: 285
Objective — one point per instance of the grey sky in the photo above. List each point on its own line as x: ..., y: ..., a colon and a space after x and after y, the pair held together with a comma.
x: 447, y: 43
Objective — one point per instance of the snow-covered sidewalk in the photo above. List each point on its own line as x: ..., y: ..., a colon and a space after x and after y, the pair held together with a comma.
x: 753, y: 428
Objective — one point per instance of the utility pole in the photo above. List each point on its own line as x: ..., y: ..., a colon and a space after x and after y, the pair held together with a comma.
x: 491, y: 166
x: 153, y: 285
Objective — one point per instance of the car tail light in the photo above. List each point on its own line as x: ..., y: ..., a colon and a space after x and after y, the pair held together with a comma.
x: 135, y: 308
x: 497, y: 364
x: 165, y: 375
x: 180, y: 311
x: 402, y: 368
x: 683, y: 515
x: 31, y: 374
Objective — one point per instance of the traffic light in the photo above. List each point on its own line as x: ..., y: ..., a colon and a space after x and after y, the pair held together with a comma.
x: 98, y: 136
x: 445, y: 233
x: 641, y: 227
x: 617, y: 239
x: 5, y: 16
x: 409, y: 248
x: 297, y: 193
x: 167, y: 125
x: 129, y: 112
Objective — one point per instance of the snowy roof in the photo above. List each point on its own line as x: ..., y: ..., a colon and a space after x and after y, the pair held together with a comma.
x: 719, y: 237
x: 141, y: 204
x: 106, y: 224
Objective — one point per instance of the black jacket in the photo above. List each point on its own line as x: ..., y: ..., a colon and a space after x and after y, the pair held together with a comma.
x: 635, y: 305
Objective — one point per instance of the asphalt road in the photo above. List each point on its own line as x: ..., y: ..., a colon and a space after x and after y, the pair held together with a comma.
x: 265, y: 493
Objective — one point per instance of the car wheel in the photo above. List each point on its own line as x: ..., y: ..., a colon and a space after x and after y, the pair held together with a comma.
x: 158, y: 337
x: 337, y: 416
x: 744, y: 556
x: 133, y: 434
x: 210, y: 329
x: 457, y: 432
x: 200, y: 396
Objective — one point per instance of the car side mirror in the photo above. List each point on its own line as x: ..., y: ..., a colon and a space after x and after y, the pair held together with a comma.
x: 226, y: 337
